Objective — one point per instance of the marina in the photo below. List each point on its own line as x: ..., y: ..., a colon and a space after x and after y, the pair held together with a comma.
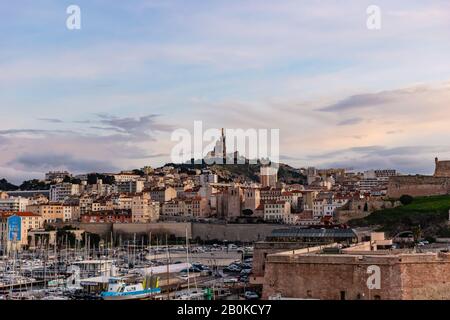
x: 131, y: 271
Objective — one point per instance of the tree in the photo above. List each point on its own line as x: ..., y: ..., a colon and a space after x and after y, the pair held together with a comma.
x: 139, y: 172
x: 417, y: 233
x: 406, y: 199
x: 65, y: 234
x: 93, y: 239
x: 106, y: 179
x: 71, y: 180
x: 6, y: 186
x: 34, y: 184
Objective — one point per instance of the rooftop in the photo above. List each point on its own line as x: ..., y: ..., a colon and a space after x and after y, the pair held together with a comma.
x: 20, y: 214
x: 295, y: 232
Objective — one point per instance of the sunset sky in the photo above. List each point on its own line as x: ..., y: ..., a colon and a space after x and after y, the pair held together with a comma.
x: 108, y: 96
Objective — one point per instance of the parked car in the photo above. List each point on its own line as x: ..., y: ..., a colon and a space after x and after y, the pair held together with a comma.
x: 230, y: 280
x: 200, y: 266
x: 250, y: 295
x: 183, y: 276
x: 191, y: 269
x: 232, y: 268
x: 246, y: 266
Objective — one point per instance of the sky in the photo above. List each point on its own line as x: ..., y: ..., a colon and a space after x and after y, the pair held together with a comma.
x: 108, y: 96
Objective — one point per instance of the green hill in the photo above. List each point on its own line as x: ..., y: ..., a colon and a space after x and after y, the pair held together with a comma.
x: 430, y: 213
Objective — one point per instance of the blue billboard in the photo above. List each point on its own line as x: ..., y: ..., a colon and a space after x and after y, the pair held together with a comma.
x: 14, y: 228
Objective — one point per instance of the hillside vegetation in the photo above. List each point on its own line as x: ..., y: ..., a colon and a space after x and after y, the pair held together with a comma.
x: 6, y: 186
x: 430, y: 213
x: 246, y: 172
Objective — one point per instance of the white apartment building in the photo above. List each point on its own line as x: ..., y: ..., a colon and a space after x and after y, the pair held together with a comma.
x: 368, y: 184
x: 98, y: 188
x: 134, y: 186
x: 13, y: 204
x: 57, y: 176
x: 62, y: 191
x: 375, y: 180
x: 327, y: 206
x: 125, y: 176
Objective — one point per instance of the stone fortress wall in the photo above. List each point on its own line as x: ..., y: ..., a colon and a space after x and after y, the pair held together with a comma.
x: 422, y: 185
x: 442, y: 168
x: 344, y: 276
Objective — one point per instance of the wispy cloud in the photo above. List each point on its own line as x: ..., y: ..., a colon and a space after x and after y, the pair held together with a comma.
x: 82, y: 150
x: 349, y: 122
x: 360, y: 101
x: 57, y: 161
x: 51, y: 120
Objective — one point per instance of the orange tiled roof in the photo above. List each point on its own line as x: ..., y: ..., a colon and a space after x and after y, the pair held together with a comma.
x: 20, y: 214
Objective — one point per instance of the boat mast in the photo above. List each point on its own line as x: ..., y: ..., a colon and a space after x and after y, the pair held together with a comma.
x: 187, y: 259
x: 167, y: 269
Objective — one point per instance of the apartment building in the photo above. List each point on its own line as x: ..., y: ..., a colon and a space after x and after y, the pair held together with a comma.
x: 200, y: 207
x: 197, y: 207
x: 163, y: 194
x: 276, y: 210
x: 173, y: 208
x: 14, y: 204
x: 57, y: 176
x: 327, y: 205
x: 268, y: 193
x: 53, y: 212
x: 292, y: 198
x: 14, y: 228
x: 134, y: 186
x: 125, y: 177
x: 62, y: 191
x: 144, y: 209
